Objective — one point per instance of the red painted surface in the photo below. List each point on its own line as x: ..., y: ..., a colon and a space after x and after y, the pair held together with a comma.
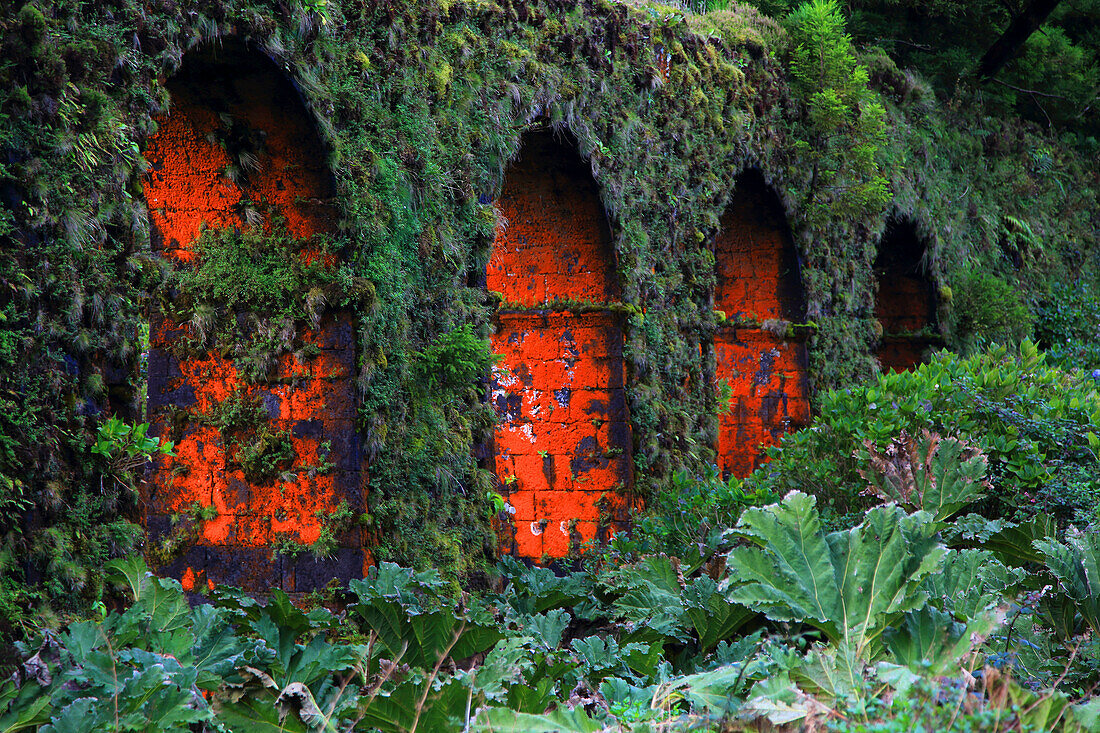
x: 905, y: 305
x: 242, y: 97
x: 563, y: 438
x: 770, y: 394
x: 757, y: 280
x: 555, y: 243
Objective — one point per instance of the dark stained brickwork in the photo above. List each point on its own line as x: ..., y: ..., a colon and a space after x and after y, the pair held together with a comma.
x: 239, y: 95
x: 905, y: 305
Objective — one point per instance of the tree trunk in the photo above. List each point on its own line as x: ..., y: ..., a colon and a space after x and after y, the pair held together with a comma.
x: 1019, y: 30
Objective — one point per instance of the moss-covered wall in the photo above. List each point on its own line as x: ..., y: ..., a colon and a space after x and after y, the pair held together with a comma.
x: 421, y: 106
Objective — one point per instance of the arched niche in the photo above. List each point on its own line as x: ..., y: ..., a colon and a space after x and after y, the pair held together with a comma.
x: 755, y: 261
x: 760, y: 351
x: 906, y: 303
x: 554, y: 242
x: 237, y: 147
x: 562, y: 443
x: 238, y: 150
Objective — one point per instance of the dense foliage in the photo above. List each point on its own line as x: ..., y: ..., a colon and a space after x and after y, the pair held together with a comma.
x: 875, y: 627
x: 422, y: 105
x: 1037, y: 425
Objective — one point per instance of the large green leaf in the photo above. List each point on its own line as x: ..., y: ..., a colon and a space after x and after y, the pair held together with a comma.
x: 1087, y: 714
x: 932, y: 640
x: 27, y: 706
x: 658, y: 604
x: 834, y: 672
x: 970, y: 582
x: 414, y: 589
x: 502, y: 720
x: 717, y: 691
x: 549, y: 673
x: 133, y: 570
x: 257, y: 714
x: 418, y: 704
x: 80, y: 716
x: 1076, y: 565
x: 850, y: 584
x: 1013, y: 544
x: 422, y: 639
x: 927, y: 473
x: 601, y: 656
x: 547, y: 628
x: 712, y: 616
x: 534, y: 590
x: 777, y: 700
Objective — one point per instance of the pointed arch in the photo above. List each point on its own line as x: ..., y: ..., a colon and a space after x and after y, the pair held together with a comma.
x: 563, y: 442
x: 758, y: 354
x: 554, y: 243
x: 238, y: 150
x: 905, y: 305
x: 756, y: 264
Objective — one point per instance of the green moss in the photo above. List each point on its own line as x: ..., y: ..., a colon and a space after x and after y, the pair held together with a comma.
x: 248, y: 294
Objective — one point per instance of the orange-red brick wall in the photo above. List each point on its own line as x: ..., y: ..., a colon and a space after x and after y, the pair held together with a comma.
x: 755, y: 263
x: 905, y: 302
x: 242, y: 98
x: 554, y: 243
x: 563, y: 444
x: 757, y: 279
x: 770, y: 394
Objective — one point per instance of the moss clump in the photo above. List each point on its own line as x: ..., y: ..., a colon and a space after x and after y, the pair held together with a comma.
x: 262, y: 454
x: 246, y: 295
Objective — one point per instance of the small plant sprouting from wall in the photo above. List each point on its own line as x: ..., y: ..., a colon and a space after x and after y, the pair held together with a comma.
x: 457, y: 361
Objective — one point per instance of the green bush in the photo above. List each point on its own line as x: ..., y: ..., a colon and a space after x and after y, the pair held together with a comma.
x: 456, y: 361
x: 247, y: 294
x: 251, y: 269
x: 1037, y: 425
x: 988, y: 310
x: 1067, y: 325
x: 690, y: 515
x: 844, y: 124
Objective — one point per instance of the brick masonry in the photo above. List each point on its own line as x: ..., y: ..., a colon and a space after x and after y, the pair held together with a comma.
x: 756, y: 269
x: 906, y: 304
x: 241, y: 97
x: 563, y: 443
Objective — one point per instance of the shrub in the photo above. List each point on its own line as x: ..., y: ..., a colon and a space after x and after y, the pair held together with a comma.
x: 457, y: 360
x: 1038, y: 426
x: 845, y: 119
x: 689, y: 516
x: 988, y: 310
x: 1067, y: 325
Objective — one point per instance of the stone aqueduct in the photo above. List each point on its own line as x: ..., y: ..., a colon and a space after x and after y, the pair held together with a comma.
x: 563, y: 442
